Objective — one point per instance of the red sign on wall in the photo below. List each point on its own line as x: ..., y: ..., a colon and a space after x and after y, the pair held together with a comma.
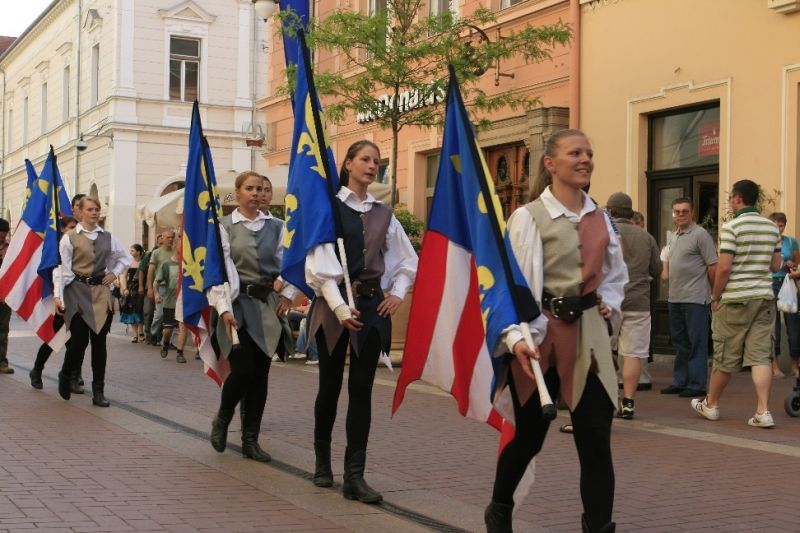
x: 708, y: 139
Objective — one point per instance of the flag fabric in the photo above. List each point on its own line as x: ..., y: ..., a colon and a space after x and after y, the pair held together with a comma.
x: 301, y: 12
x: 32, y: 177
x: 310, y: 219
x: 469, y: 287
x: 26, y: 276
x: 202, y: 261
x: 64, y: 203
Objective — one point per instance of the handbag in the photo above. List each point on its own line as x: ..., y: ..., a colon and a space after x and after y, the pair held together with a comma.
x: 787, y: 296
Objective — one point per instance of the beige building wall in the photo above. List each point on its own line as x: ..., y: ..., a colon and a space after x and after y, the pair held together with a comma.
x: 643, y: 56
x: 136, y: 137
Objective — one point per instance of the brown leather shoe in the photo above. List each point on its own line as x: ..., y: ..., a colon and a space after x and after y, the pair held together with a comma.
x: 5, y: 369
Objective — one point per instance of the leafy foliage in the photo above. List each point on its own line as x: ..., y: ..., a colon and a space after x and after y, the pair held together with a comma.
x: 413, y: 226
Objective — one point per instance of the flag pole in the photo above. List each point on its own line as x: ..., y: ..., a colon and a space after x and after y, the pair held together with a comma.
x: 212, y: 194
x: 326, y: 164
x: 548, y: 408
x: 57, y: 216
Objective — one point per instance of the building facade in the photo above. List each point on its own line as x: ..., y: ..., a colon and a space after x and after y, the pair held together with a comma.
x: 511, y: 143
x: 110, y: 85
x: 688, y: 97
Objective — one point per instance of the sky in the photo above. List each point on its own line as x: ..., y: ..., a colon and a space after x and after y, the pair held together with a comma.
x: 17, y: 15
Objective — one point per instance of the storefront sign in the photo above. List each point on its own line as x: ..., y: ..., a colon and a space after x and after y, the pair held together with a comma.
x: 708, y: 139
x: 408, y: 100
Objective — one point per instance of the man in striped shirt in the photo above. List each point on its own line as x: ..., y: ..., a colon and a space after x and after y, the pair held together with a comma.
x: 743, y: 303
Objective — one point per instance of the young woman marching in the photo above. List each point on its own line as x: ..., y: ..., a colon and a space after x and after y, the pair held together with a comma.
x: 253, y: 247
x: 376, y: 248
x: 568, y: 251
x: 91, y: 260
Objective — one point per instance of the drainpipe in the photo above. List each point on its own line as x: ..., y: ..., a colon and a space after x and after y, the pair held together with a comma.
x: 575, y: 65
x: 76, y: 165
x: 254, y: 60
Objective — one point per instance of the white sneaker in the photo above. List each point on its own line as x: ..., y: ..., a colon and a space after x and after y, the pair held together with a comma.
x: 711, y: 413
x: 299, y: 355
x: 312, y: 362
x: 762, y: 420
x: 275, y: 358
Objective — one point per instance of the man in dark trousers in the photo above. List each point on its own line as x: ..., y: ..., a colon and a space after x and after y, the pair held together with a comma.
x: 5, y: 311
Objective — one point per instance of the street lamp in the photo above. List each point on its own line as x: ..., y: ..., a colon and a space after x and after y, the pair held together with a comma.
x: 265, y: 8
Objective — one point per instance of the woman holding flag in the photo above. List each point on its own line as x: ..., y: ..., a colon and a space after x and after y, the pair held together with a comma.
x: 377, y: 249
x: 571, y: 257
x: 252, y: 243
x: 91, y: 261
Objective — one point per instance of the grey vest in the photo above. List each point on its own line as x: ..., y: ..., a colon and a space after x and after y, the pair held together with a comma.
x: 254, y: 252
x: 89, y: 258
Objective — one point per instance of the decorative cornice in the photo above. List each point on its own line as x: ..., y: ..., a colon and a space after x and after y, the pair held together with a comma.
x: 37, y: 27
x: 65, y: 48
x: 187, y: 11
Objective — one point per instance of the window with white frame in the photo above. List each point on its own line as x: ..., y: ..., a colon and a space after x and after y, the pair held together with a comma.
x: 65, y: 95
x: 184, y: 69
x: 44, y: 108
x: 431, y: 172
x: 377, y: 6
x: 95, y: 96
x: 438, y: 7
x: 508, y: 3
x: 25, y: 120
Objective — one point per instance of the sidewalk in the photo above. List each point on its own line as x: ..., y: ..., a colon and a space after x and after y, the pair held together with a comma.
x: 144, y: 463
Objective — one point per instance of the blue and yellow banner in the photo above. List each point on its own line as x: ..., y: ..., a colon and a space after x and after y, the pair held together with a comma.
x: 312, y: 179
x: 64, y: 203
x: 466, y: 210
x: 40, y: 215
x: 202, y: 259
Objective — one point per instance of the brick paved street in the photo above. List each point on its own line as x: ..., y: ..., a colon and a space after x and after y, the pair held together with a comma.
x: 144, y: 463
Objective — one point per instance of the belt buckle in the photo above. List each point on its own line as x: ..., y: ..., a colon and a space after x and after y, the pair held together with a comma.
x: 247, y: 291
x: 555, y: 306
x: 357, y: 287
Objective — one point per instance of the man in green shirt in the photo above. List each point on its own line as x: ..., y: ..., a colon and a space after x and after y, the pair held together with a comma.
x: 743, y: 303
x: 159, y: 256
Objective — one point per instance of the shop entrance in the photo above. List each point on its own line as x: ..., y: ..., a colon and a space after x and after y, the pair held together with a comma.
x: 683, y: 162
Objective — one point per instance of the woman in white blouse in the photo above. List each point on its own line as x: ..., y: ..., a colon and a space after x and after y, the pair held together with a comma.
x: 379, y: 257
x: 568, y: 251
x: 91, y: 261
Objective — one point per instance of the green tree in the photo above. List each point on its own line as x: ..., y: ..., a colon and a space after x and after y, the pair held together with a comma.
x: 403, y: 52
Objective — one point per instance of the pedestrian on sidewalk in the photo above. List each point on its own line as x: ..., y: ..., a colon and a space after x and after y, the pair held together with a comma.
x: 791, y: 256
x: 570, y: 255
x: 166, y: 283
x: 376, y: 247
x: 91, y: 260
x: 67, y: 225
x: 252, y: 243
x: 743, y: 304
x: 642, y: 260
x: 159, y: 256
x: 5, y: 310
x: 146, y: 288
x: 690, y: 259
x: 132, y: 305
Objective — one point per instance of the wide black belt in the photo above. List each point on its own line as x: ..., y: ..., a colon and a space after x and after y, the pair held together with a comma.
x: 259, y: 292
x: 568, y: 308
x: 90, y: 280
x: 366, y: 288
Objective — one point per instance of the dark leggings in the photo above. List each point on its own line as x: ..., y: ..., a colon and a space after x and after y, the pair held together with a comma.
x: 45, y: 350
x: 248, y: 379
x: 591, y: 421
x: 359, y: 388
x: 80, y: 336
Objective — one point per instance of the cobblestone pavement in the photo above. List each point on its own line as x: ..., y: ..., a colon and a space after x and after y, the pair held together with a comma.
x: 145, y: 465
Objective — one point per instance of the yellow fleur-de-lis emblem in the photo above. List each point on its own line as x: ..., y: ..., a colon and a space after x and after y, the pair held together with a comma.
x: 291, y: 207
x: 308, y: 139
x: 193, y: 263
x: 485, y: 282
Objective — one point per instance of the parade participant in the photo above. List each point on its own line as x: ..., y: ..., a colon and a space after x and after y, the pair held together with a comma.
x: 159, y: 256
x: 91, y: 260
x: 5, y: 310
x: 569, y: 252
x: 376, y: 247
x: 167, y: 278
x: 131, y: 310
x: 146, y: 289
x: 67, y: 225
x: 252, y: 243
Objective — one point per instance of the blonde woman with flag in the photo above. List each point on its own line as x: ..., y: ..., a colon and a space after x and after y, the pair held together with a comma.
x: 379, y: 255
x: 91, y: 261
x: 252, y: 244
x: 568, y: 251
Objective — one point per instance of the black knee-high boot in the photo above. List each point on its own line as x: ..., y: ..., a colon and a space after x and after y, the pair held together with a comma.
x: 354, y: 486
x: 98, y: 396
x: 323, y: 475
x: 219, y: 429
x: 498, y: 517
x: 251, y: 427
x: 611, y: 527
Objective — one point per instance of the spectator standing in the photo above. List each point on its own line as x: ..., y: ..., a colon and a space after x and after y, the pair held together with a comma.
x: 159, y: 256
x: 146, y: 288
x: 641, y: 254
x: 743, y: 303
x: 5, y: 310
x: 132, y: 303
x: 690, y: 261
x: 790, y: 253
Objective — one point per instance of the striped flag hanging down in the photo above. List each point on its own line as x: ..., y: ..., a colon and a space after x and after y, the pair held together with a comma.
x: 26, y: 276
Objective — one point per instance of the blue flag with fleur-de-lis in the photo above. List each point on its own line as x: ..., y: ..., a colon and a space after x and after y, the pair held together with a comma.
x: 64, y: 204
x: 312, y: 179
x: 202, y: 264
x: 32, y: 177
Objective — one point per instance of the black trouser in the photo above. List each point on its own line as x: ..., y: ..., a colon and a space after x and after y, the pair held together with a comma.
x: 359, y: 388
x: 591, y: 422
x: 80, y: 336
x: 248, y: 379
x: 45, y: 350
